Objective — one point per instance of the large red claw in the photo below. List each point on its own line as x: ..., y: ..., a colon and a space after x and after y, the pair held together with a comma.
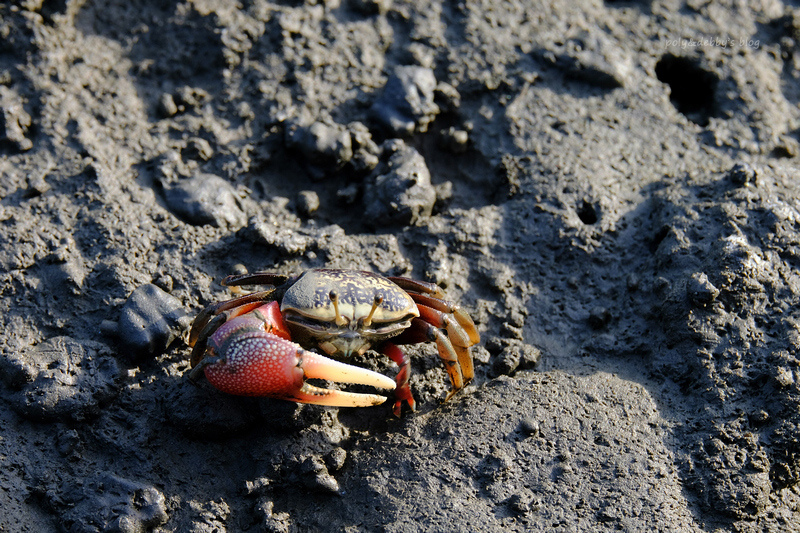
x: 262, y: 364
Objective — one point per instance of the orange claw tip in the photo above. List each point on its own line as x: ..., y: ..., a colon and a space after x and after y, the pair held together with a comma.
x: 318, y: 366
x: 336, y: 398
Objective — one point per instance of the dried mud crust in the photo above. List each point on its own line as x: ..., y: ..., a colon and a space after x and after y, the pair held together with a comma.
x: 611, y: 198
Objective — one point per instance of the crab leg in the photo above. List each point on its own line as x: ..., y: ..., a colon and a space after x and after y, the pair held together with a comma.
x: 414, y: 285
x: 256, y: 363
x: 423, y: 331
x: 457, y: 339
x: 213, y: 317
x: 402, y: 391
x: 450, y: 308
x: 256, y: 278
x: 237, y: 306
x: 451, y: 360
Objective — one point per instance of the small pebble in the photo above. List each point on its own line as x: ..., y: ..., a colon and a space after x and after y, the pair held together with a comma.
x: 529, y: 426
x: 315, y: 476
x: 238, y: 269
x: 336, y: 458
x: 167, y: 106
x: 507, y: 362
x: 286, y: 241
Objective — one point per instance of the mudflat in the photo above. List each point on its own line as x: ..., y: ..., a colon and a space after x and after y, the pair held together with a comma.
x: 610, y: 189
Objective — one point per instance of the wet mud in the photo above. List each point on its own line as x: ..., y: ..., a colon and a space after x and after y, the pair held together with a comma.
x: 610, y: 189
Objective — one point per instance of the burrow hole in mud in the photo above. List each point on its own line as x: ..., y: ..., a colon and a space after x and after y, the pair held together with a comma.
x: 587, y: 213
x: 660, y: 235
x: 692, y: 89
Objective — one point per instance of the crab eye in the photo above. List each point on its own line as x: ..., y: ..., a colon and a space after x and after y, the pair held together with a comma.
x: 376, y: 302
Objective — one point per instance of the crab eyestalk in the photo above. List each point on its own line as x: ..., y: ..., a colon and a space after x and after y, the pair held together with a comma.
x: 340, y: 320
x: 376, y: 302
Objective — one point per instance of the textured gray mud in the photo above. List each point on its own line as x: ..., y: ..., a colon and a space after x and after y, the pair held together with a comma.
x: 609, y: 188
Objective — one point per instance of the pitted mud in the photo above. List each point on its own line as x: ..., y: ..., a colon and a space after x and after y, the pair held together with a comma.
x: 609, y: 188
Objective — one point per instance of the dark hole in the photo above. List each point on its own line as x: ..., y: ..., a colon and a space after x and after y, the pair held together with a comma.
x: 587, y: 213
x: 691, y: 88
x: 658, y: 237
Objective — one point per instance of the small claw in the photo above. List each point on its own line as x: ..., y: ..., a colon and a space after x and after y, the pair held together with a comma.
x: 402, y: 392
x: 262, y: 364
x: 397, y: 409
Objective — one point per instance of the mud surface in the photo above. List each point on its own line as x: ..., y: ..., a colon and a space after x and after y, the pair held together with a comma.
x: 610, y: 189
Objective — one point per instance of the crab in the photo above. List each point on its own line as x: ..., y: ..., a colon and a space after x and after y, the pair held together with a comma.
x: 260, y: 344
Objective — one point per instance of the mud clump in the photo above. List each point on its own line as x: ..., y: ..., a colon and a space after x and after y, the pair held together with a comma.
x: 407, y: 102
x: 16, y: 121
x: 151, y: 320
x: 400, y: 192
x: 111, y: 503
x: 62, y: 379
x: 205, y: 199
x: 324, y: 148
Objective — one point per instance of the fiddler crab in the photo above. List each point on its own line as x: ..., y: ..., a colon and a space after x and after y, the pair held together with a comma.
x: 259, y: 344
